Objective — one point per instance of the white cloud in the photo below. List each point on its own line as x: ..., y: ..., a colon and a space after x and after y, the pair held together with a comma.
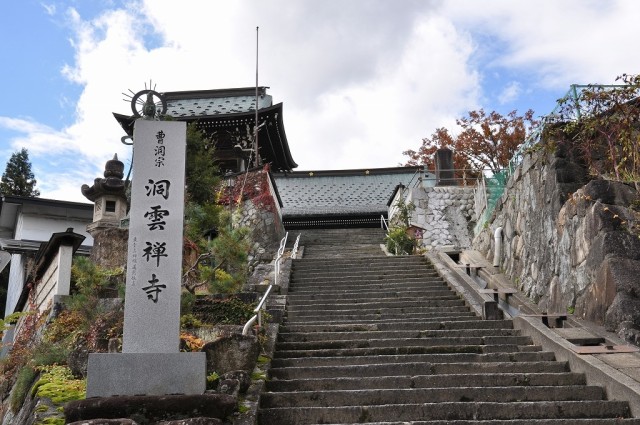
x: 359, y: 84
x: 510, y: 92
x: 371, y: 123
x: 557, y: 42
x: 50, y: 9
x: 360, y: 81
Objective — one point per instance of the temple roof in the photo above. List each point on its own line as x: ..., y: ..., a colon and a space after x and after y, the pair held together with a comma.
x: 225, y: 109
x: 341, y: 192
x: 215, y: 102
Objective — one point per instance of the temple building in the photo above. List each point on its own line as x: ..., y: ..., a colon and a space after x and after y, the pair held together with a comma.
x: 340, y: 198
x: 327, y: 198
x: 227, y: 117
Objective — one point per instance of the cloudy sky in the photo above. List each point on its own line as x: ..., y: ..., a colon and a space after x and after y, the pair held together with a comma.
x: 361, y: 80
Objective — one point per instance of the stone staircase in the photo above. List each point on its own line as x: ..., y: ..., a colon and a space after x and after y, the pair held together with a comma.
x: 383, y: 340
x: 332, y: 243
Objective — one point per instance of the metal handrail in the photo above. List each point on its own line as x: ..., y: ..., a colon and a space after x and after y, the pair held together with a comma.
x: 383, y: 223
x: 294, y: 251
x: 258, y: 309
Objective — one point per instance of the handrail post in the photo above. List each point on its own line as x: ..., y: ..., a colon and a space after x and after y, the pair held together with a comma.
x: 258, y: 309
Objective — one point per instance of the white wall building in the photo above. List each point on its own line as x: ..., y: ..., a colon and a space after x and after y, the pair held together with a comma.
x: 25, y: 223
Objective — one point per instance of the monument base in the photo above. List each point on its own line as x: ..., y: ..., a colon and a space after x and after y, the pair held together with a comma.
x: 111, y: 374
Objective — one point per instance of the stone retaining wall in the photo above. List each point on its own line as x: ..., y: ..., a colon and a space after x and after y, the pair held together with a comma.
x: 446, y: 213
x: 260, y: 212
x: 569, y: 243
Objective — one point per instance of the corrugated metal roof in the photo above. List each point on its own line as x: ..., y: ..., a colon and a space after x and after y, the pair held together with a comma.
x: 346, y: 193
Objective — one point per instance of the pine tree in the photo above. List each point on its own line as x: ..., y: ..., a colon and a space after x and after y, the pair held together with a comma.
x: 18, y: 179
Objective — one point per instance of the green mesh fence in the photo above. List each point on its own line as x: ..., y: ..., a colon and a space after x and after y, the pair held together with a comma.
x: 494, y: 188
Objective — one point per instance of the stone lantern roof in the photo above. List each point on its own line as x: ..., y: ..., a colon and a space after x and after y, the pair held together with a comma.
x: 111, y: 184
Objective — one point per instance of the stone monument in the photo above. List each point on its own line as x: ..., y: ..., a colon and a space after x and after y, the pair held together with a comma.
x: 150, y: 362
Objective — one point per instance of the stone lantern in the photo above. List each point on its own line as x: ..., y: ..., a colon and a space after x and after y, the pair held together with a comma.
x: 108, y: 195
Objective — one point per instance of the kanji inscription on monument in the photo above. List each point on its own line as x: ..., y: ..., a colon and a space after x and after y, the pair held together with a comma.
x: 152, y: 300
x: 151, y: 362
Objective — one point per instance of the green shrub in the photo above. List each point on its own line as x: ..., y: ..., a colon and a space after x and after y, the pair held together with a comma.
x: 212, y: 381
x: 398, y: 242
x: 48, y: 353
x: 230, y: 311
x: 189, y: 321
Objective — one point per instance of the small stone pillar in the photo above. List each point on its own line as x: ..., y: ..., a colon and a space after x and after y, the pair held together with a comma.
x: 108, y: 194
x: 445, y: 174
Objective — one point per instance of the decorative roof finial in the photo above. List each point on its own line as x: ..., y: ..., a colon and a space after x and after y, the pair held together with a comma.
x: 150, y: 107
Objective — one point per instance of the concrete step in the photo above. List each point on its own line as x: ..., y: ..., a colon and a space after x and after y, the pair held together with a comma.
x: 395, y: 266
x: 428, y: 381
x: 322, y: 287
x: 413, y: 358
x: 462, y: 323
x: 337, y: 288
x: 382, y: 309
x: 314, y: 263
x: 364, y: 265
x: 372, y: 276
x: 416, y: 368
x: 380, y: 314
x: 369, y: 304
x: 395, y: 342
x: 310, y: 237
x: 371, y: 397
x: 295, y: 297
x: 394, y: 334
x: 572, y: 421
x: 341, y: 251
x: 409, y: 349
x: 446, y: 411
x: 435, y: 315
x: 322, y: 242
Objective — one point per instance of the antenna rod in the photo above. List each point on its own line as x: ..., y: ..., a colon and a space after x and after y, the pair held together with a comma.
x: 255, y: 129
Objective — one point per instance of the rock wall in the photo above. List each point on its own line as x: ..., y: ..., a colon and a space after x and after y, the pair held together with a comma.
x: 569, y: 243
x: 260, y: 212
x: 446, y: 213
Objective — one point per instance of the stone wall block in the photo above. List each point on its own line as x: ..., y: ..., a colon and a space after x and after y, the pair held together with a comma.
x: 611, y: 192
x: 618, y: 243
x: 236, y: 352
x: 615, y: 275
x: 622, y: 274
x: 603, y: 217
x: 580, y: 246
x: 624, y: 308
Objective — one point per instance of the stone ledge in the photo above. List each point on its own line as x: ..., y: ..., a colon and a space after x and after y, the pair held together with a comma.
x: 131, y: 374
x: 151, y: 409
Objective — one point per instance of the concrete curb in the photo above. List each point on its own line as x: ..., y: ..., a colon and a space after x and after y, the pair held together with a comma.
x: 460, y: 282
x: 618, y: 385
